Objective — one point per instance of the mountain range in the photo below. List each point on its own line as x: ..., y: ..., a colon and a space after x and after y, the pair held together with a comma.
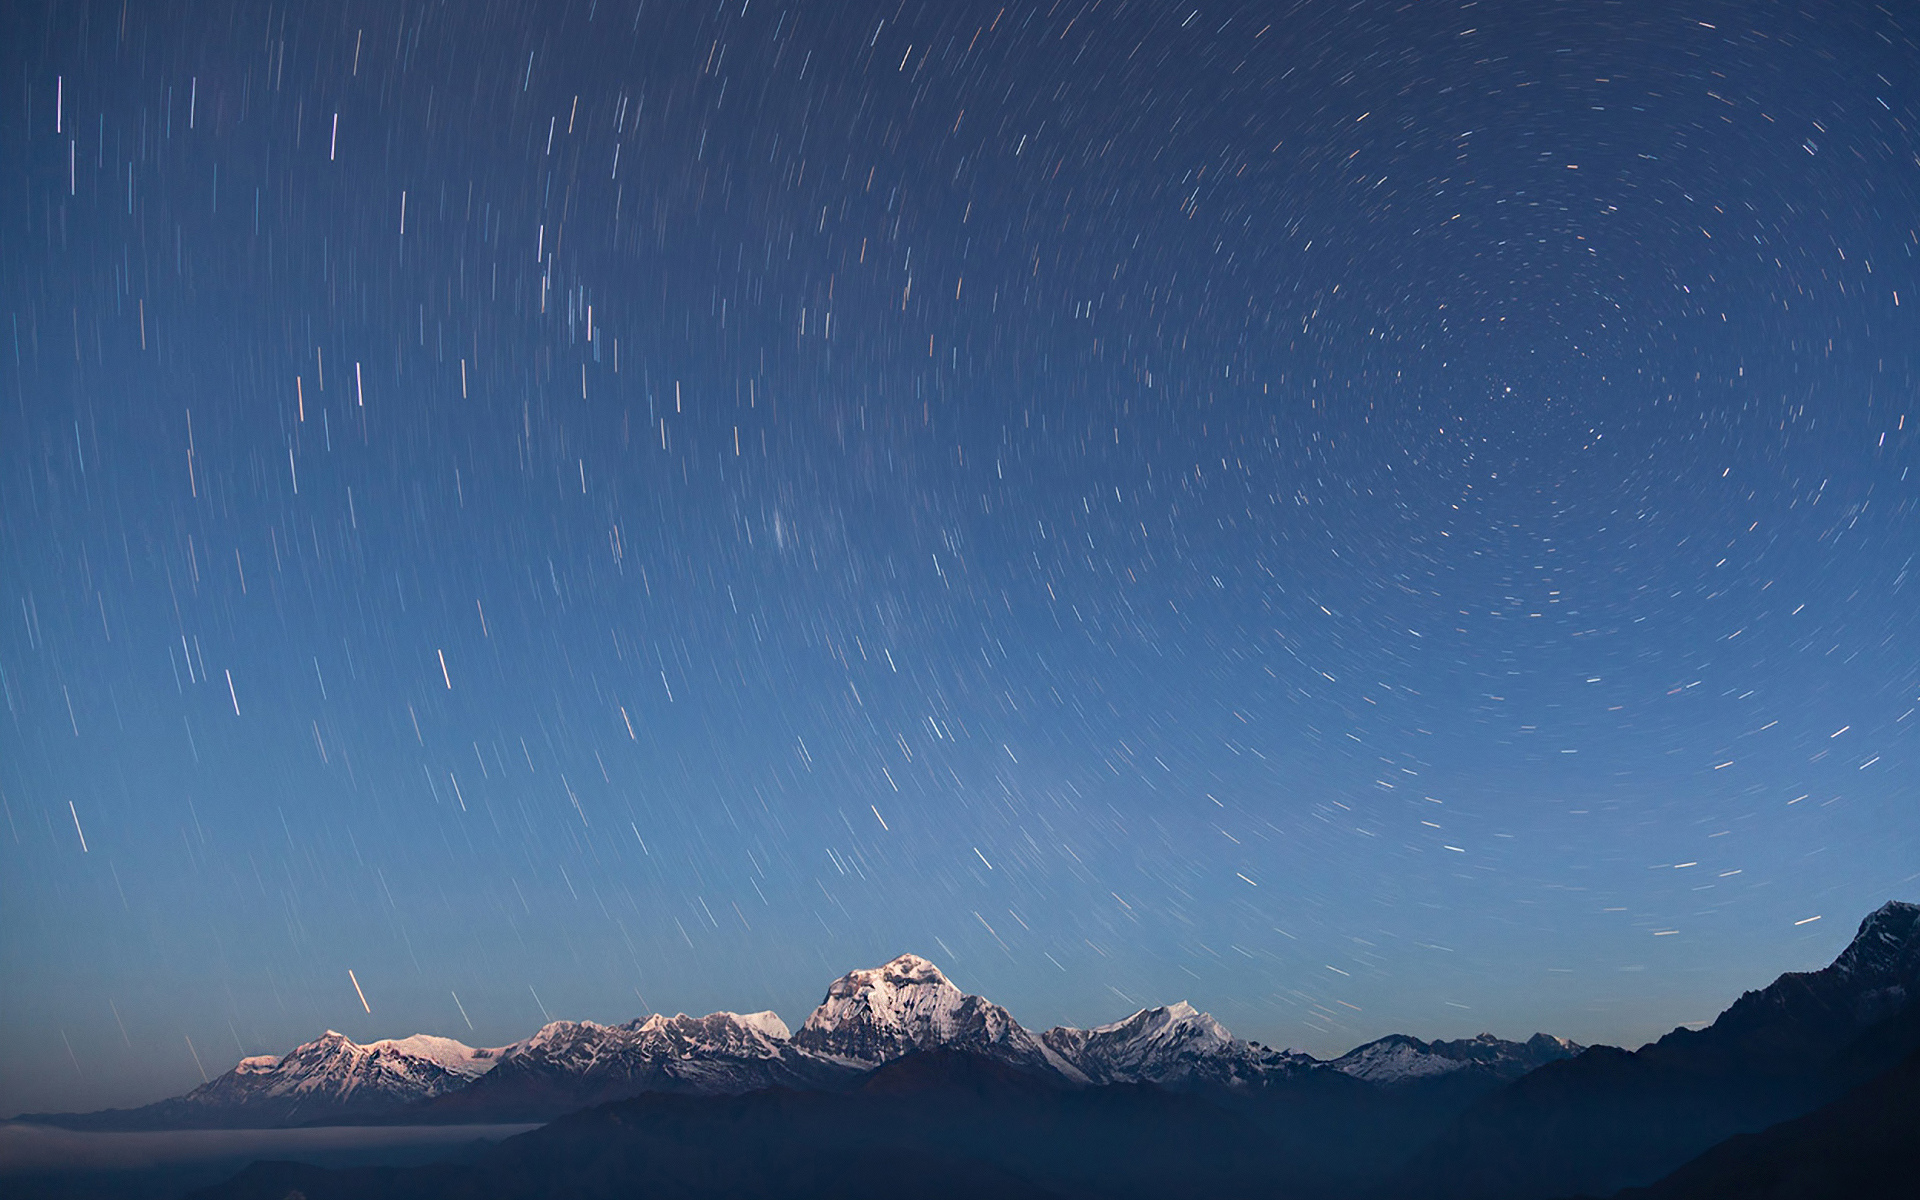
x: 868, y: 1018
x: 1807, y: 1088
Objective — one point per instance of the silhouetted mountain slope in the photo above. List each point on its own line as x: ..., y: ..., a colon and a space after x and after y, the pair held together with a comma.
x: 1614, y: 1118
x: 1863, y: 1146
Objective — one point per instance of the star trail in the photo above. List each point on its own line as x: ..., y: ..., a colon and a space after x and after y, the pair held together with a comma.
x: 1367, y: 517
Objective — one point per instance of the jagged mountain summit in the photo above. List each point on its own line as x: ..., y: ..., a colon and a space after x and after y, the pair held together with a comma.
x: 1398, y: 1060
x: 876, y: 1015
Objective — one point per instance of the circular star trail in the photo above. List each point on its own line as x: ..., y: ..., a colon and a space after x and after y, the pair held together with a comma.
x: 1370, y: 518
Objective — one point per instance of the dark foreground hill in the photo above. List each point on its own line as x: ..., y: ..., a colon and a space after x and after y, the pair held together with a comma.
x: 1612, y: 1118
x: 948, y: 1125
x: 1864, y: 1146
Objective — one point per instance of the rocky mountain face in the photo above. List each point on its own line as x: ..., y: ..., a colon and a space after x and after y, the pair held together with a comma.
x: 1804, y: 1017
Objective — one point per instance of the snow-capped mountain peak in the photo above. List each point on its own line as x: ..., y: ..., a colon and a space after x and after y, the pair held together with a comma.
x: 766, y: 1022
x: 581, y: 1047
x: 455, y: 1057
x: 1396, y: 1058
x: 329, y: 1076
x: 336, y: 1067
x: 1177, y: 1021
x: 558, y: 1034
x: 1173, y: 1045
x: 571, y: 1064
x: 753, y: 1035
x: 877, y: 1014
x: 1399, y: 1059
x: 907, y: 1004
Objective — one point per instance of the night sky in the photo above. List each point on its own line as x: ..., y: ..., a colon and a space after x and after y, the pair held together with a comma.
x: 1368, y: 517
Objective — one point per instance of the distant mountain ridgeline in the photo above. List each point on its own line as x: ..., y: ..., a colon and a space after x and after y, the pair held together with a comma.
x: 868, y: 1018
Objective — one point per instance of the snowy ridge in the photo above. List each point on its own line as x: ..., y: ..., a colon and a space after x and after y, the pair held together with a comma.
x: 570, y: 1064
x: 335, y: 1069
x: 1398, y: 1059
x: 585, y: 1043
x: 330, y: 1078
x: 867, y: 1018
x: 1174, y: 1046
